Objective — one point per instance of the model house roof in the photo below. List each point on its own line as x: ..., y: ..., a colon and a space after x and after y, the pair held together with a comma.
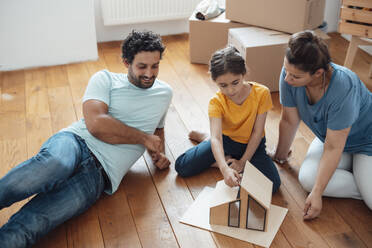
x: 253, y: 181
x: 223, y: 194
x: 257, y: 185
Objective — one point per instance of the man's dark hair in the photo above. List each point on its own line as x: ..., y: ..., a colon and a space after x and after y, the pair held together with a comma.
x: 307, y: 52
x: 226, y: 60
x: 138, y: 41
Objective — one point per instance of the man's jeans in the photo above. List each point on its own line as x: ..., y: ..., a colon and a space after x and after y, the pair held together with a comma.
x: 199, y: 158
x: 66, y: 181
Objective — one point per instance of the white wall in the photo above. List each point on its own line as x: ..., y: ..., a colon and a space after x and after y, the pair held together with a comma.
x: 119, y: 32
x: 51, y: 32
x: 331, y: 14
x: 46, y: 32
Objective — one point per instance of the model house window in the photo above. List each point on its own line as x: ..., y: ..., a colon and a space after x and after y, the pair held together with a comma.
x: 256, y: 215
x: 234, y: 213
x: 238, y: 196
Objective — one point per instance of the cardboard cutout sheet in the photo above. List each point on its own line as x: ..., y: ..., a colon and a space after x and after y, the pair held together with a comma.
x: 198, y: 215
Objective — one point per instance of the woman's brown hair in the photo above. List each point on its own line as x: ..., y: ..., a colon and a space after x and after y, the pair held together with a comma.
x: 307, y: 52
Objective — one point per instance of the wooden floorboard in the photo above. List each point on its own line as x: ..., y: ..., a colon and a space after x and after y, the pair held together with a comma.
x: 152, y: 223
x: 176, y: 198
x: 117, y: 223
x: 13, y: 141
x: 145, y: 210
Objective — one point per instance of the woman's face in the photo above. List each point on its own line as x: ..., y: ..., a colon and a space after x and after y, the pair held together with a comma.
x: 231, y: 85
x: 296, y: 77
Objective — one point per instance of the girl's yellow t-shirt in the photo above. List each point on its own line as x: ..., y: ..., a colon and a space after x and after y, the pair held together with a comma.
x: 238, y: 120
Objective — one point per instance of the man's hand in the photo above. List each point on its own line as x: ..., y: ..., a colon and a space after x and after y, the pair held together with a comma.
x: 313, y: 206
x: 153, y: 143
x: 231, y: 177
x: 160, y: 160
x: 237, y: 165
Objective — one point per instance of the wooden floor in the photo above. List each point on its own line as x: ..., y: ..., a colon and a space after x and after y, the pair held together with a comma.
x: 144, y: 212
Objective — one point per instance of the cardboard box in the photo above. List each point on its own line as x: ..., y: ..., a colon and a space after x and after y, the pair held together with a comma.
x: 264, y: 51
x: 208, y: 36
x: 285, y: 15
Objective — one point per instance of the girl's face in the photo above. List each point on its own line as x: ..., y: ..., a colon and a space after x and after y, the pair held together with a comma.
x: 231, y: 85
x: 297, y: 78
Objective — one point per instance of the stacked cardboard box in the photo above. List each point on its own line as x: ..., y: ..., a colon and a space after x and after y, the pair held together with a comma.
x: 289, y: 16
x: 208, y: 36
x: 262, y: 48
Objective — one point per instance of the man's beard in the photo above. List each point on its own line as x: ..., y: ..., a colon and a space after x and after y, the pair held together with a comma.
x: 139, y: 81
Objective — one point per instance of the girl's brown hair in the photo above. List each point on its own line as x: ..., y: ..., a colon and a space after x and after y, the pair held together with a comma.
x: 226, y: 60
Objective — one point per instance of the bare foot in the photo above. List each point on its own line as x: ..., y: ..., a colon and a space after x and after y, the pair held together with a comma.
x: 198, y: 137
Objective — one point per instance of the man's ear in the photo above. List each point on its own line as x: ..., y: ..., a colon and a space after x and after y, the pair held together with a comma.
x: 126, y: 63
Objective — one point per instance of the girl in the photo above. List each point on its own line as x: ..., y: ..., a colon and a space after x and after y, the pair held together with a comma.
x: 333, y: 102
x: 237, y: 115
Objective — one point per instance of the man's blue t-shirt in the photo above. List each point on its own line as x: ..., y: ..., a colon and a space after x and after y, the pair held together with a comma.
x: 143, y: 109
x: 347, y: 102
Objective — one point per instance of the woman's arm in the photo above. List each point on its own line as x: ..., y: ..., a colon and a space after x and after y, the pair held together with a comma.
x: 333, y: 147
x: 288, y: 126
x: 252, y: 145
x: 231, y: 177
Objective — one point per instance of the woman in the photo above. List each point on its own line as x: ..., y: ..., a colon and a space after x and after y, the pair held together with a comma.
x: 333, y: 102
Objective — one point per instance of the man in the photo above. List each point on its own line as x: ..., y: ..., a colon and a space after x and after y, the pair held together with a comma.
x: 123, y: 115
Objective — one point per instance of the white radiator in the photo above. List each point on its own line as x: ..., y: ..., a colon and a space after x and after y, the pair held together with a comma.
x: 117, y: 12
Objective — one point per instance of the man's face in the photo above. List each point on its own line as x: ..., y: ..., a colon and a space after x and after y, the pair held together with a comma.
x: 144, y: 69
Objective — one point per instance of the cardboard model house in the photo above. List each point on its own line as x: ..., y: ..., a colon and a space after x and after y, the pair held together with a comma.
x: 246, y: 206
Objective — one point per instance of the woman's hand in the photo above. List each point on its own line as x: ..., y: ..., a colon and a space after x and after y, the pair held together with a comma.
x: 280, y: 160
x: 237, y: 165
x: 313, y: 206
x: 231, y: 176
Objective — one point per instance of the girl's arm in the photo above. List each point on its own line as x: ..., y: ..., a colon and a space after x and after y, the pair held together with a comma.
x: 333, y: 147
x: 252, y: 145
x: 231, y: 177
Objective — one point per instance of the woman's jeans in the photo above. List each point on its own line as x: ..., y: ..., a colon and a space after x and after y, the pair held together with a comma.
x: 66, y: 181
x: 200, y: 157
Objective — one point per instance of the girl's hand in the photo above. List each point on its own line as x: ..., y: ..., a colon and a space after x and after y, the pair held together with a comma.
x: 231, y: 177
x: 236, y: 164
x: 313, y: 206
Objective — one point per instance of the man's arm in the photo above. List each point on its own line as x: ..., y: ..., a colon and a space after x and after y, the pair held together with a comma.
x: 159, y: 158
x: 110, y: 130
x: 160, y: 133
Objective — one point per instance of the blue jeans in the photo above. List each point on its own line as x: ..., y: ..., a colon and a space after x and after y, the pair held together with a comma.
x: 66, y: 180
x: 200, y: 157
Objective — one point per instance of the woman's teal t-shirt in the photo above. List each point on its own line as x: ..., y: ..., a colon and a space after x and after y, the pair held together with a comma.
x: 347, y: 102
